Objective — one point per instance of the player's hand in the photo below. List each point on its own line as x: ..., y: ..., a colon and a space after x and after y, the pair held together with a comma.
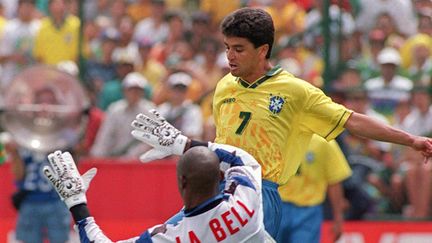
x: 155, y: 131
x: 424, y: 145
x: 336, y: 230
x: 66, y: 179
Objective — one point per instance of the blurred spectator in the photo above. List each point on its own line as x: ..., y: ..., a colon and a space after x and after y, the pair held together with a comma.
x: 57, y: 39
x: 139, y: 10
x: 94, y: 9
x: 93, y: 115
x: 425, y: 21
x: 369, y: 161
x: 164, y: 49
x: 288, y: 17
x: 126, y: 45
x: 178, y: 110
x: 393, y: 36
x: 357, y: 100
x: 182, y: 59
x: 100, y: 67
x: 401, y: 11
x: 117, y: 12
x: 41, y: 213
x: 200, y: 30
x: 72, y: 7
x: 419, y: 120
x: 420, y: 71
x: 422, y: 5
x: 385, y: 176
x: 218, y: 9
x: 153, y: 28
x: 112, y: 89
x: 386, y: 90
x: 209, y: 72
x: 17, y: 41
x: 367, y: 63
x: 349, y: 78
x: 418, y: 174
x: 423, y: 36
x: 113, y: 138
x: 91, y: 34
x: 314, y: 38
x: 402, y: 110
x: 154, y: 71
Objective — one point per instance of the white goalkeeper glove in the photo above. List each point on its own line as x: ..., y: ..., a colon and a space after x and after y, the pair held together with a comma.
x: 66, y: 179
x: 155, y: 131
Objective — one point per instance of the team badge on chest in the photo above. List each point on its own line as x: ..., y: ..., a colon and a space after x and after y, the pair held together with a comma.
x: 276, y: 104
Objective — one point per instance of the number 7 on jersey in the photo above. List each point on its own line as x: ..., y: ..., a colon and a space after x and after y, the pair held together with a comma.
x: 246, y: 116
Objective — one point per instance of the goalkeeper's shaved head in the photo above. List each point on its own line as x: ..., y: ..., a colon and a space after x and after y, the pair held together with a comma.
x: 198, y: 174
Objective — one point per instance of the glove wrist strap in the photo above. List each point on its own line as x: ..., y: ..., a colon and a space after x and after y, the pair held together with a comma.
x: 179, y: 145
x: 75, y: 200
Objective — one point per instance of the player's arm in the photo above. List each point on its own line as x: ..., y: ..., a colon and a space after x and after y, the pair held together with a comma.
x: 335, y: 193
x: 71, y: 187
x: 364, y: 126
x: 237, y: 164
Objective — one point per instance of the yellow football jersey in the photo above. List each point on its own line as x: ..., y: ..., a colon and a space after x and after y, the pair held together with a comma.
x: 274, y: 119
x: 55, y: 44
x: 323, y: 164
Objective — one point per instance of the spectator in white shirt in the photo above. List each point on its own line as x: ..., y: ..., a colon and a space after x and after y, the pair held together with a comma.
x: 113, y: 138
x: 386, y: 90
x: 180, y: 111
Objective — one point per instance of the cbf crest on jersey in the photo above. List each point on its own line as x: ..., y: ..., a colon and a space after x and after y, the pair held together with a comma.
x: 276, y: 104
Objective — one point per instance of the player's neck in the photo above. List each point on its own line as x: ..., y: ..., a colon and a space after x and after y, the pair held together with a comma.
x: 258, y: 72
x: 193, y: 201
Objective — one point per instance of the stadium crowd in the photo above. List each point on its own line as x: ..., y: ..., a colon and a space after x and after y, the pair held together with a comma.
x: 168, y: 54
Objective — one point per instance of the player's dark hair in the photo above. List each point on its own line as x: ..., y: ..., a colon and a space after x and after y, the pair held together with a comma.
x: 254, y: 24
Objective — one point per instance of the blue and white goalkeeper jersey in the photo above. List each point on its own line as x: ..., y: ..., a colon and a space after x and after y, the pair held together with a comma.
x: 235, y: 215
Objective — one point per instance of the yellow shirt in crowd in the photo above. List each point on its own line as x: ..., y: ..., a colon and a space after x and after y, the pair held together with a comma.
x: 54, y: 44
x: 274, y: 119
x: 219, y: 9
x: 323, y: 164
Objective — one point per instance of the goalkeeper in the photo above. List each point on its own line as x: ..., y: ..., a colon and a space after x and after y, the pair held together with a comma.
x: 209, y: 216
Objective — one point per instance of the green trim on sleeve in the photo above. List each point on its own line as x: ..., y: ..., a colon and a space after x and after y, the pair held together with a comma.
x: 339, y: 126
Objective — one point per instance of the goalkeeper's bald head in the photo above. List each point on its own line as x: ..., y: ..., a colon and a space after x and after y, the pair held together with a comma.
x: 198, y: 175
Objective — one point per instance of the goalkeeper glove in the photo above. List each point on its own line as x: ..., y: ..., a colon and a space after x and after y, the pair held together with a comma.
x: 66, y: 179
x: 155, y: 131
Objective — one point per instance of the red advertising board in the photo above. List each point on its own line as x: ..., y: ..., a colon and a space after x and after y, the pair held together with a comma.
x: 128, y: 197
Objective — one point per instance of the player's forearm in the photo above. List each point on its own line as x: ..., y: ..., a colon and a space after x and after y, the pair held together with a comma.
x: 335, y: 193
x: 193, y: 143
x: 364, y: 126
x: 87, y: 227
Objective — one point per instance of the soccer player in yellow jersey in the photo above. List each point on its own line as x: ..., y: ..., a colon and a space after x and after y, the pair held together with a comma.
x: 272, y: 114
x: 58, y: 36
x: 323, y: 166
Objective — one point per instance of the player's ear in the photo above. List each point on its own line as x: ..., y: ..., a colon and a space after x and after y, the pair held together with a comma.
x: 183, y: 182
x: 263, y: 49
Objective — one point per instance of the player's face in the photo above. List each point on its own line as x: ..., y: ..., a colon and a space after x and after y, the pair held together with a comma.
x: 243, y: 57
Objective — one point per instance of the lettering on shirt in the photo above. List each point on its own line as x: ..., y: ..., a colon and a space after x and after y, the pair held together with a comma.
x: 226, y: 224
x: 228, y: 100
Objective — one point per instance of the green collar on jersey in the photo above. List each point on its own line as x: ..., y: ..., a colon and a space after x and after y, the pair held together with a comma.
x: 275, y: 70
